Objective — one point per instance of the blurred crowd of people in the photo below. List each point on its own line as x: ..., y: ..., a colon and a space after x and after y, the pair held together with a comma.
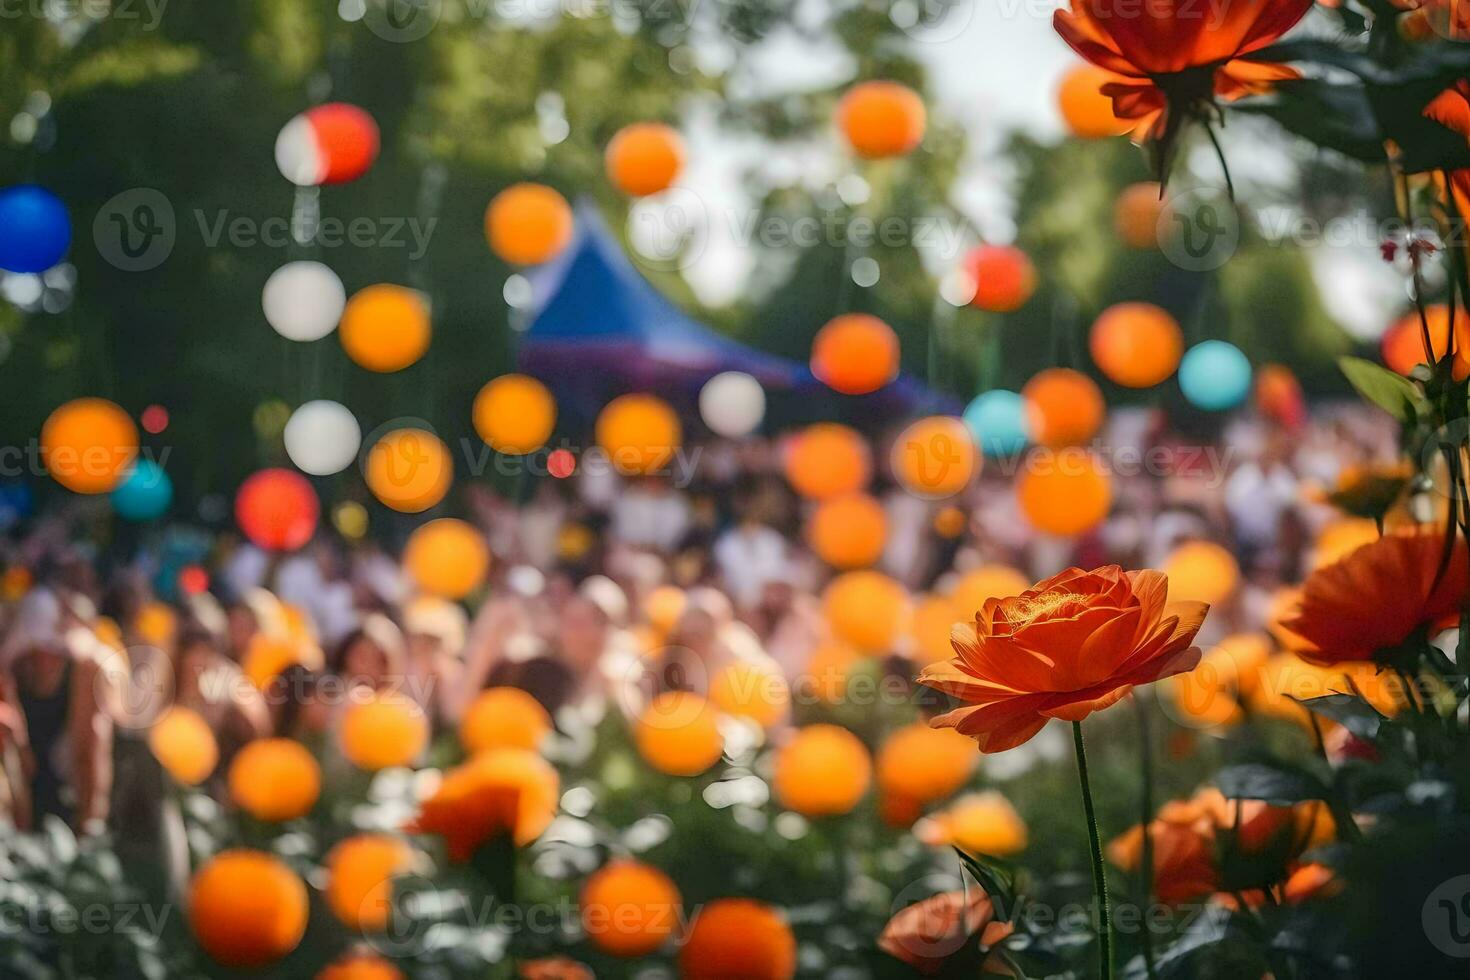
x: 593, y: 577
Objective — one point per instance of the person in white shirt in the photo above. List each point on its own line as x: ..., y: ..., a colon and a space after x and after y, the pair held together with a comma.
x: 749, y: 555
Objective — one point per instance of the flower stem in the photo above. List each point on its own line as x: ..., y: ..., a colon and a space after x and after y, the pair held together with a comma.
x: 1099, y: 874
x: 1146, y: 859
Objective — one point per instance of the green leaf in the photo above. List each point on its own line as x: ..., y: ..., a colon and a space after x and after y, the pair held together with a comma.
x: 997, y: 878
x: 1349, y: 711
x: 1387, y: 389
x: 1333, y: 116
x: 1276, y: 783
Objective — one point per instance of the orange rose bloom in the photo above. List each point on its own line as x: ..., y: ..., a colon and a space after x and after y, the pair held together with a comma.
x: 1199, y: 841
x: 502, y: 791
x: 1070, y: 645
x: 926, y: 934
x: 1176, y: 57
x: 1376, y: 597
x: 1183, y: 859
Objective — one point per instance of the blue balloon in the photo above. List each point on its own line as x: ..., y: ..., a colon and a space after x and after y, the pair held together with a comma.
x: 16, y: 502
x: 1215, y: 376
x: 144, y: 494
x: 35, y: 230
x: 997, y: 420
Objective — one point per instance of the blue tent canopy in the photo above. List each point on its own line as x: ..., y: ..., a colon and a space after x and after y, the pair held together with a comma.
x: 598, y: 328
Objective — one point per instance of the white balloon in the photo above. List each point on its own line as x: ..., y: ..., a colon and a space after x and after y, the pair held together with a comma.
x: 303, y: 300
x: 732, y: 404
x: 322, y: 438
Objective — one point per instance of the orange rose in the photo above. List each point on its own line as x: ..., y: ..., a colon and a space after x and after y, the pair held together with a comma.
x: 926, y: 934
x: 1374, y: 599
x: 1071, y: 645
x: 498, y: 792
x: 1183, y: 859
x: 1201, y: 840
x: 1176, y: 57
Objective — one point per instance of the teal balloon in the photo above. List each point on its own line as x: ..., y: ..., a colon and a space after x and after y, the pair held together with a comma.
x: 144, y: 494
x: 997, y: 421
x: 1215, y: 376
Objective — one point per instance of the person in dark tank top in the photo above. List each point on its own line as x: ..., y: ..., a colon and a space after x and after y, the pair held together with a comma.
x: 55, y: 683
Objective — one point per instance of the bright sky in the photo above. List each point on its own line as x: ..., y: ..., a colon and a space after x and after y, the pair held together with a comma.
x: 993, y: 68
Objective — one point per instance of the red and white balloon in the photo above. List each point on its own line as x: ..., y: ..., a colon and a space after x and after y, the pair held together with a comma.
x: 327, y: 144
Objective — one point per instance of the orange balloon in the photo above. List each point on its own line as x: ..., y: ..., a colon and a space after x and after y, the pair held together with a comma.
x: 1086, y: 111
x: 1403, y: 343
x: 848, y: 531
x: 867, y: 610
x: 1342, y: 537
x: 268, y: 655
x: 827, y: 460
x: 527, y: 224
x: 933, y: 620
x: 679, y: 734
x: 385, y: 732
x: 751, y: 689
x: 409, y: 470
x: 447, y: 558
x: 247, y: 909
x: 980, y: 823
x: 504, y: 717
x: 855, y: 354
x: 1137, y: 345
x: 385, y: 328
x: 881, y: 119
x: 663, y: 607
x: 1064, y: 493
x: 88, y: 444
x: 1138, y: 212
x: 923, y: 764
x: 1279, y: 395
x: 629, y: 908
x: 986, y: 582
x: 822, y: 772
x: 950, y: 522
x: 514, y: 414
x: 639, y: 433
x: 360, y: 874
x: 826, y: 675
x: 644, y: 158
x: 935, y: 457
x: 275, y: 779
x: 184, y: 745
x: 1003, y: 275
x: 738, y: 937
x: 1201, y: 571
x: 360, y: 966
x: 1065, y: 407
